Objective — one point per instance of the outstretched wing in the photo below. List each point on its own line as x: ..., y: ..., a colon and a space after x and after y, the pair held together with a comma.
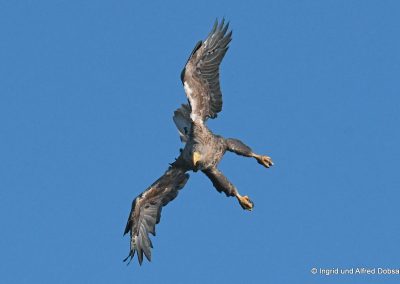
x: 146, y: 211
x: 200, y: 77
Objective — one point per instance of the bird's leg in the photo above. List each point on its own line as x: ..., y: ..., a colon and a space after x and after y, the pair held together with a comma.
x: 238, y: 147
x: 263, y: 160
x: 245, y: 202
x: 222, y: 184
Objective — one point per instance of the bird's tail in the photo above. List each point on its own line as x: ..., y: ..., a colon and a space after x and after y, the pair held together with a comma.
x: 183, y: 122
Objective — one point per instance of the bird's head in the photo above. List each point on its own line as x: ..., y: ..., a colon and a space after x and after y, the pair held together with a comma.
x: 196, y: 157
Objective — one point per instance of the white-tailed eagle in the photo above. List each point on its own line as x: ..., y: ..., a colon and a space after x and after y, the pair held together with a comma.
x: 203, y: 149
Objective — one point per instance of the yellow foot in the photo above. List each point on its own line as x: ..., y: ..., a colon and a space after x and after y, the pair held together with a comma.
x: 245, y: 202
x: 264, y: 160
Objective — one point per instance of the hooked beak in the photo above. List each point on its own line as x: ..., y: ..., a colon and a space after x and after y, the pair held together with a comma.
x: 196, y: 157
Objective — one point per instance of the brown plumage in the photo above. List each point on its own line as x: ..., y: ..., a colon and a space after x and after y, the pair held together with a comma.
x: 203, y: 149
x: 201, y: 73
x: 146, y: 210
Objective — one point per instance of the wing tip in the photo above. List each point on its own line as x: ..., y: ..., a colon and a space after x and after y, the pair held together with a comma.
x: 139, y: 252
x: 220, y: 27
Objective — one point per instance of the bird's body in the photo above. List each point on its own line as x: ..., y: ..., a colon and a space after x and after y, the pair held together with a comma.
x: 209, y: 147
x: 203, y: 149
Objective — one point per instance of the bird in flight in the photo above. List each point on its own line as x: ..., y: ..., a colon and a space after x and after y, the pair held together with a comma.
x: 203, y: 149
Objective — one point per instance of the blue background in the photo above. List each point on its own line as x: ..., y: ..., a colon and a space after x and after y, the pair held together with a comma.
x: 87, y: 91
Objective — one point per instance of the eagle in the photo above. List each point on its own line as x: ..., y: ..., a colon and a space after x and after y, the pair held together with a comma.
x: 202, y: 150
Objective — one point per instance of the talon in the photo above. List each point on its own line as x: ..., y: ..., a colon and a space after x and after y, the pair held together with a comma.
x: 245, y: 202
x: 265, y: 161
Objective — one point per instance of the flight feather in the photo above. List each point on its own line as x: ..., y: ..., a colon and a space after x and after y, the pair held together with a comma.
x: 146, y: 211
x: 200, y: 77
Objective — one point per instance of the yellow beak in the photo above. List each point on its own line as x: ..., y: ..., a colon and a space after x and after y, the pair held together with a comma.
x: 196, y: 157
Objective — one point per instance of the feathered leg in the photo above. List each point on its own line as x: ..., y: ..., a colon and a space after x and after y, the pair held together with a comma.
x: 222, y: 184
x: 238, y: 147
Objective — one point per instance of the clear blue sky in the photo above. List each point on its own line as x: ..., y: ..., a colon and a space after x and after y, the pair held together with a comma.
x: 87, y: 91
